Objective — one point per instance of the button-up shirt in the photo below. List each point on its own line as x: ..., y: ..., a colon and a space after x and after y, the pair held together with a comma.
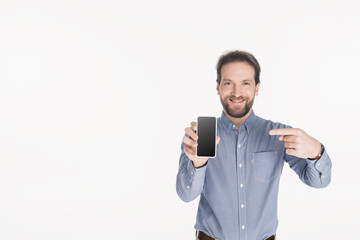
x: 239, y: 187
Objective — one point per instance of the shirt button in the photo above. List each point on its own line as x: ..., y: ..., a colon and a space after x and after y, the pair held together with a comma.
x: 188, y: 187
x: 319, y: 164
x: 239, y: 146
x: 243, y: 227
x: 234, y: 126
x: 322, y: 176
x: 242, y: 206
x: 240, y: 165
x: 192, y: 173
x: 241, y: 185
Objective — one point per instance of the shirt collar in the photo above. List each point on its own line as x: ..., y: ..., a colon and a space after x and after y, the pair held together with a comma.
x: 229, y: 125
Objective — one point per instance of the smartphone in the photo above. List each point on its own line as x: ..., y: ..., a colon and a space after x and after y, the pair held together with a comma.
x: 206, y: 131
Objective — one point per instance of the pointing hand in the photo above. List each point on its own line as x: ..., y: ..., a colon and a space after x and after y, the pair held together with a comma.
x: 297, y: 142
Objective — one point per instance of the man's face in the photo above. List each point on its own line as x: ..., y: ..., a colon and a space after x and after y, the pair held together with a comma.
x: 237, y: 88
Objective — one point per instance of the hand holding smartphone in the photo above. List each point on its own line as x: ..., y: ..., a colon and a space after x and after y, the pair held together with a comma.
x: 207, y: 149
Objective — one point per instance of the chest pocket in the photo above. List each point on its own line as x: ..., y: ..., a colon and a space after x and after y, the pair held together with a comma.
x: 266, y: 165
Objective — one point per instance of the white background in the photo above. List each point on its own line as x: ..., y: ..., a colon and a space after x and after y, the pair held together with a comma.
x: 95, y: 97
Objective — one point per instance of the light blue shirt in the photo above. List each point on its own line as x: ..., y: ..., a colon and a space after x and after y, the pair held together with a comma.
x: 239, y: 187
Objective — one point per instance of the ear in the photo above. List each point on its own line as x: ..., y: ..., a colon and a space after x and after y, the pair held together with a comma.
x: 217, y: 88
x: 257, y: 89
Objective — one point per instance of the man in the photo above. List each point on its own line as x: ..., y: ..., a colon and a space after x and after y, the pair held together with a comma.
x: 239, y: 187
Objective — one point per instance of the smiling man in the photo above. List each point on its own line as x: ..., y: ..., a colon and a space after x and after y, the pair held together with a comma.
x: 239, y: 187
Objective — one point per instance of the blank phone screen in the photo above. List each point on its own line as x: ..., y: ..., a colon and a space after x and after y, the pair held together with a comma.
x: 207, y: 136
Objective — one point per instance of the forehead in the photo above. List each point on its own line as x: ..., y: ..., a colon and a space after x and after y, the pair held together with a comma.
x: 238, y: 71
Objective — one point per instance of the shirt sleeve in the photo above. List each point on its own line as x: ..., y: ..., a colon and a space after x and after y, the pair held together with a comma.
x: 314, y: 173
x: 190, y: 180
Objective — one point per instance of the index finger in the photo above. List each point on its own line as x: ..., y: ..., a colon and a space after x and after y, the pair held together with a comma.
x: 194, y: 126
x: 283, y: 131
x: 191, y: 131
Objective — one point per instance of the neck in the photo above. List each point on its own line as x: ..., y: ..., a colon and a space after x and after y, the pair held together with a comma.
x: 239, y: 121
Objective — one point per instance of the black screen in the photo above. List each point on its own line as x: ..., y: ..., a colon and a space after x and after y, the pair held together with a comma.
x: 207, y: 136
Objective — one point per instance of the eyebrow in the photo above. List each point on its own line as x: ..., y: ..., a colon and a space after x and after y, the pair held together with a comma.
x: 245, y: 80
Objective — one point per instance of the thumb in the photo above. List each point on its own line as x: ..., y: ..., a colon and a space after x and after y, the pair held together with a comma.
x: 217, y: 139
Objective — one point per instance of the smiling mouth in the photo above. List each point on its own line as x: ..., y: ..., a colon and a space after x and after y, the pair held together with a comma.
x: 237, y: 101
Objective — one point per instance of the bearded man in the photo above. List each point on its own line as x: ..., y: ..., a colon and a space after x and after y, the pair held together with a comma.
x: 239, y: 187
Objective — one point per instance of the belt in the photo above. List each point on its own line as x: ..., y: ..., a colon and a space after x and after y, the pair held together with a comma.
x: 203, y: 236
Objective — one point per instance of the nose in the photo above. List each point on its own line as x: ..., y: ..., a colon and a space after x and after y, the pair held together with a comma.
x: 237, y: 90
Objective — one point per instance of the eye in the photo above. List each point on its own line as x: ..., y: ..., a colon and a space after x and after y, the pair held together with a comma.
x: 227, y: 83
x: 246, y: 83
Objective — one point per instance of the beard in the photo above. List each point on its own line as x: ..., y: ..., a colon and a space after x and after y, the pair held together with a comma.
x: 237, y: 113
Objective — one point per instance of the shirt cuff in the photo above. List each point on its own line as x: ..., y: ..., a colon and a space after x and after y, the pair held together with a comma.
x: 322, y: 165
x: 195, y: 173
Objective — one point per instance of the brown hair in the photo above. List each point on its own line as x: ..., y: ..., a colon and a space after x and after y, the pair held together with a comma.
x: 238, y: 56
